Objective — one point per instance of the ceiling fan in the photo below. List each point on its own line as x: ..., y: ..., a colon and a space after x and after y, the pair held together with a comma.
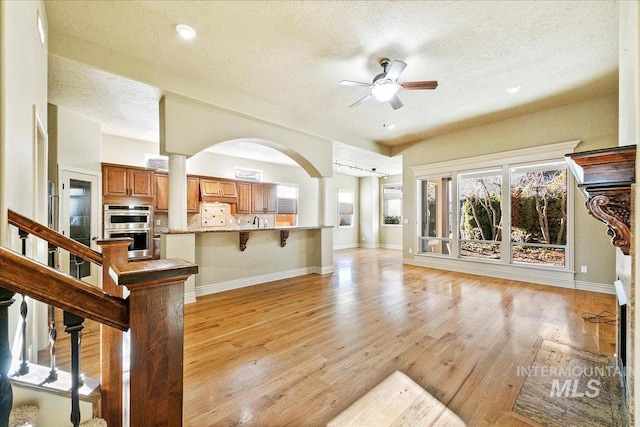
x: 385, y: 85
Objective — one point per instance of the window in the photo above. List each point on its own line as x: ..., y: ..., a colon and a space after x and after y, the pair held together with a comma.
x: 392, y: 204
x: 435, y: 196
x: 513, y: 208
x: 539, y: 214
x: 287, y: 215
x: 480, y: 207
x: 345, y: 208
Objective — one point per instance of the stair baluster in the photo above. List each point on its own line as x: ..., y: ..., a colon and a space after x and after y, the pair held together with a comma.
x: 24, y: 366
x: 73, y: 326
x: 53, y: 336
x: 6, y: 393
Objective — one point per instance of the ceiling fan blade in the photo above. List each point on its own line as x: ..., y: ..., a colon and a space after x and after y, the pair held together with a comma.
x: 360, y: 101
x: 432, y: 84
x: 395, y: 102
x: 351, y: 83
x: 395, y: 69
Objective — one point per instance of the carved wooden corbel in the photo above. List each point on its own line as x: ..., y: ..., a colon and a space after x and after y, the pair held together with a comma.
x: 605, y: 177
x: 612, y: 205
x: 244, y: 238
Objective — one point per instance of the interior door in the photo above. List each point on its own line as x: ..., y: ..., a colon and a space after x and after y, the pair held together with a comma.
x: 79, y: 219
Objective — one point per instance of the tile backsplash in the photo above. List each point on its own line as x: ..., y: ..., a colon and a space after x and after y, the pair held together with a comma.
x: 216, y: 216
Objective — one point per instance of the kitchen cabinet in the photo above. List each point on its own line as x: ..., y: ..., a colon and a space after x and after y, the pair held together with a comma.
x: 218, y: 190
x: 162, y: 193
x: 127, y: 184
x: 244, y: 198
x: 264, y: 198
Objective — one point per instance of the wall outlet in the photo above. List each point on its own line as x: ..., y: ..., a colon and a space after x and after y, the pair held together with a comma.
x: 406, y: 220
x: 363, y: 238
x: 157, y: 222
x: 410, y: 250
x: 583, y: 269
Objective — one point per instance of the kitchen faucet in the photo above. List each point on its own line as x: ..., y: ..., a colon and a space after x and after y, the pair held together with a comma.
x: 254, y: 221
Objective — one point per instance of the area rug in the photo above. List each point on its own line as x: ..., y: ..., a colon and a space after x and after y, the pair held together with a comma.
x: 566, y: 386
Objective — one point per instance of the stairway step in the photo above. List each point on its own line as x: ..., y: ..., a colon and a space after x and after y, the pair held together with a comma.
x: 36, y: 379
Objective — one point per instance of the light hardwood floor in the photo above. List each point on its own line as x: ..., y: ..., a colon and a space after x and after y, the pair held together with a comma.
x: 297, y: 352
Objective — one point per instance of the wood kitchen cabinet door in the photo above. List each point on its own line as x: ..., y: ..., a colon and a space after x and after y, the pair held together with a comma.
x: 193, y: 194
x: 141, y: 183
x: 244, y: 198
x: 115, y: 181
x: 271, y: 198
x: 162, y: 193
x: 264, y: 198
x: 228, y: 189
x: 210, y: 188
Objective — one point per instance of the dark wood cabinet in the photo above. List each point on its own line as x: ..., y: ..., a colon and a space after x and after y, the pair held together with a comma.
x: 127, y: 184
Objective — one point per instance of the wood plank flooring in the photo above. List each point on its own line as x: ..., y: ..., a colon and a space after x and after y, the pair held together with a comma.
x: 297, y: 352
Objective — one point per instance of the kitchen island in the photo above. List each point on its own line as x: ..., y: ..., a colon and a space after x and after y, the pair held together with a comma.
x: 230, y: 258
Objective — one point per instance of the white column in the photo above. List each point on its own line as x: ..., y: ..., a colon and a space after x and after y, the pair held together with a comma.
x: 177, y: 192
x: 323, y: 203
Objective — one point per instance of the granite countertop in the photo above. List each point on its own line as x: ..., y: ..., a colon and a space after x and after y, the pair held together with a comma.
x: 237, y: 229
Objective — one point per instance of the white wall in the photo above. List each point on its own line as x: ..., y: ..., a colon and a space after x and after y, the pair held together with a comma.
x: 23, y: 92
x: 369, y: 212
x: 390, y: 235
x: 126, y: 151
x: 23, y: 88
x: 595, y: 122
x: 75, y: 140
x: 344, y: 237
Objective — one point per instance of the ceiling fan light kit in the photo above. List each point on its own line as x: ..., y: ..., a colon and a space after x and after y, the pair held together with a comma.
x: 385, y: 85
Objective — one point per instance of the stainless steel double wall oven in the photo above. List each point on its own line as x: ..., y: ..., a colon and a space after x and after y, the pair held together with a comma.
x: 134, y: 221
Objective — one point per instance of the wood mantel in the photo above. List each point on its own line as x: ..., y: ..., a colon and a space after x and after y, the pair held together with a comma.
x: 605, y: 177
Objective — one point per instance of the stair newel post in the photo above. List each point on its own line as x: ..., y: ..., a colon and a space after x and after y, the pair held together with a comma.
x: 6, y: 393
x: 156, y: 303
x: 114, y: 251
x: 24, y: 366
x: 73, y: 326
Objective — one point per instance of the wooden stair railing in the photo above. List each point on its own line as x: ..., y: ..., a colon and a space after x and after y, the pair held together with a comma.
x: 153, y: 311
x: 61, y: 241
x: 113, y: 251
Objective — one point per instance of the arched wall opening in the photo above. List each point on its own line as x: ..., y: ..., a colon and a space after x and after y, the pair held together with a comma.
x: 188, y: 127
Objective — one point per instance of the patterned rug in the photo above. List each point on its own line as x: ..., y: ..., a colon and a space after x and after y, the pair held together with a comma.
x: 566, y: 386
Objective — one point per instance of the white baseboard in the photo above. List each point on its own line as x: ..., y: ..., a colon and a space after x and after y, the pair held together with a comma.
x: 397, y: 247
x: 562, y: 279
x: 369, y: 245
x: 189, y: 297
x: 603, y: 288
x: 257, y: 280
x: 349, y: 246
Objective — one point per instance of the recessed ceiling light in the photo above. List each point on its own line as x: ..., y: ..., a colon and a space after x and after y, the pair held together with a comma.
x: 185, y: 31
x: 389, y: 126
x: 514, y: 89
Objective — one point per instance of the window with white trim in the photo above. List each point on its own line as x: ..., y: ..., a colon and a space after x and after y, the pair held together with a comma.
x: 287, y: 215
x: 392, y: 204
x: 511, y: 208
x: 345, y: 208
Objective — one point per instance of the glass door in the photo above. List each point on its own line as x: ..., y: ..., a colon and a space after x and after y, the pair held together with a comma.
x: 79, y: 220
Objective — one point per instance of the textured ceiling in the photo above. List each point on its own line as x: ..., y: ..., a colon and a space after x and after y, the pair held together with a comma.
x: 294, y: 54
